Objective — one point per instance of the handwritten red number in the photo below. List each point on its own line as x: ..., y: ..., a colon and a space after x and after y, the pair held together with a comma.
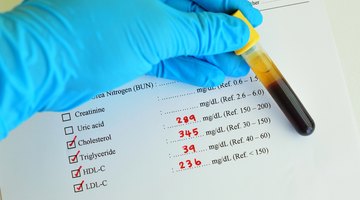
x: 179, y: 121
x: 186, y: 119
x: 192, y: 117
x: 182, y: 134
x: 181, y: 164
x: 188, y: 133
x: 195, y: 131
x: 189, y: 163
x: 197, y: 162
x: 188, y: 148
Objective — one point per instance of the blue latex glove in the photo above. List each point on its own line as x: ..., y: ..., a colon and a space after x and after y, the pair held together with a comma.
x: 57, y: 54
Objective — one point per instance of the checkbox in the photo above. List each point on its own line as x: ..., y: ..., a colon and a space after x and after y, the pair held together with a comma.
x: 79, y: 187
x: 76, y: 173
x: 69, y: 130
x: 71, y: 145
x: 73, y: 159
x: 66, y: 117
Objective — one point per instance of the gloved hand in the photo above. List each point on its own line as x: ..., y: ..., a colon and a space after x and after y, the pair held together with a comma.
x: 57, y: 54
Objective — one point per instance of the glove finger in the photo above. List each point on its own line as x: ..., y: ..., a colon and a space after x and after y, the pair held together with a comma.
x: 230, y: 6
x: 202, y: 33
x: 229, y: 63
x: 224, y: 6
x: 189, y: 70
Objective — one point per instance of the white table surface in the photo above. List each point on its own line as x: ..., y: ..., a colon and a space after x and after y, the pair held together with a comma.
x: 345, y: 20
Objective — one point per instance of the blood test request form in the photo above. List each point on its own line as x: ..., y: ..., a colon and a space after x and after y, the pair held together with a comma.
x: 161, y: 139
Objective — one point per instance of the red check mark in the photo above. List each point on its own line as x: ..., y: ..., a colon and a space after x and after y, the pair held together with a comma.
x: 80, y: 186
x: 75, y: 156
x: 73, y: 141
x: 78, y: 171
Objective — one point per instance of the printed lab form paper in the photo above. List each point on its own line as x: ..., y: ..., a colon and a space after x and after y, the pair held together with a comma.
x: 164, y: 140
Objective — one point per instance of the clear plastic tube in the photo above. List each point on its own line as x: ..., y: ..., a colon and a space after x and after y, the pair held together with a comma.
x: 279, y: 89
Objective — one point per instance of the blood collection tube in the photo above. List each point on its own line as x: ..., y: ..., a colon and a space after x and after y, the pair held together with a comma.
x: 274, y: 82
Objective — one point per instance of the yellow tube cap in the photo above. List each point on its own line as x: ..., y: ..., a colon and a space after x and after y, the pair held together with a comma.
x: 254, y: 36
